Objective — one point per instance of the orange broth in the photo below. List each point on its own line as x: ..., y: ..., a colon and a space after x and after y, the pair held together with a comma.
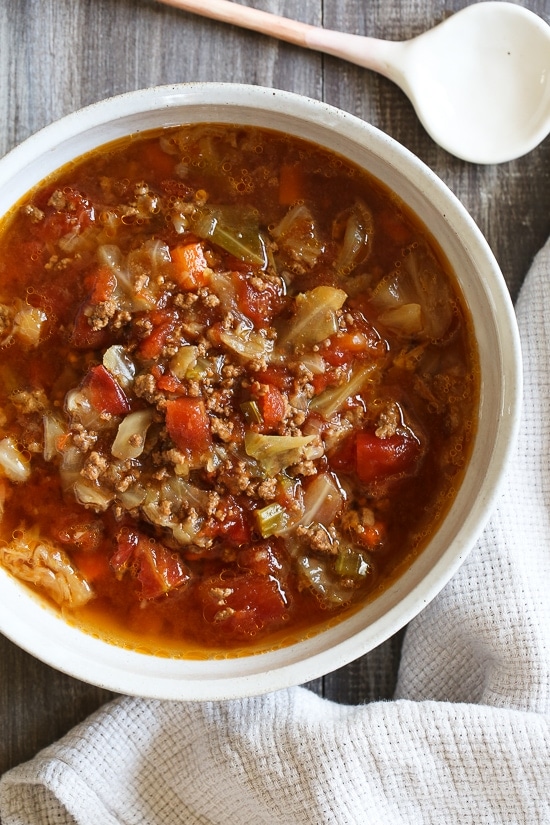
x: 239, y: 389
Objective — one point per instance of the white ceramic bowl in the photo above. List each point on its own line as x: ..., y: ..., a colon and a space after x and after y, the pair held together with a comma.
x: 41, y: 632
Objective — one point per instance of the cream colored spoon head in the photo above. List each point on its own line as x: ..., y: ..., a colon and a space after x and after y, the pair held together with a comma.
x: 479, y: 81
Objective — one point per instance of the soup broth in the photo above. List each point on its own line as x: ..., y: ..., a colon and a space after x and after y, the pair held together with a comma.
x: 238, y: 389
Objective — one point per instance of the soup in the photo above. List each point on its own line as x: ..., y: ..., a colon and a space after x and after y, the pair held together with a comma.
x: 239, y: 389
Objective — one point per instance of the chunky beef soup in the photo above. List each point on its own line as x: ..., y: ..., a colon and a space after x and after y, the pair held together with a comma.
x: 239, y: 388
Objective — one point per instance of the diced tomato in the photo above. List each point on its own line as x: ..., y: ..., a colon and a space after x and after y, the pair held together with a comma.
x: 167, y: 382
x: 190, y: 270
x: 272, y: 406
x: 240, y: 606
x: 80, y: 530
x: 164, y: 321
x: 230, y: 523
x: 260, y: 305
x: 75, y: 214
x: 264, y: 558
x: 374, y: 459
x: 325, y: 379
x: 83, y: 336
x: 188, y: 425
x: 105, y: 393
x: 372, y: 535
x: 347, y: 346
x: 277, y: 376
x: 101, y: 284
x: 380, y: 458
x: 158, y: 569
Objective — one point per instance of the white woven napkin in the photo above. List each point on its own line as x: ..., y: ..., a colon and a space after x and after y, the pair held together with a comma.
x: 467, y: 739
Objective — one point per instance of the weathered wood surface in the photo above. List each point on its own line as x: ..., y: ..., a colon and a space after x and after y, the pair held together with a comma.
x: 58, y: 55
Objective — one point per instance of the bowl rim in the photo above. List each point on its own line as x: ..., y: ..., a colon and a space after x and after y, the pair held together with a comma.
x: 40, y: 632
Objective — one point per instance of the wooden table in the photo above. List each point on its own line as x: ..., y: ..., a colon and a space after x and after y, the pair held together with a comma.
x: 58, y: 55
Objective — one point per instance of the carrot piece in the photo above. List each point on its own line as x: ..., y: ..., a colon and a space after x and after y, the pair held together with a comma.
x: 190, y: 266
x: 159, y: 162
x: 395, y: 228
x: 291, y: 184
x: 372, y: 535
x: 103, y: 285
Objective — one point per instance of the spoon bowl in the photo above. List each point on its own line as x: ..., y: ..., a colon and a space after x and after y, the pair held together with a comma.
x: 479, y: 81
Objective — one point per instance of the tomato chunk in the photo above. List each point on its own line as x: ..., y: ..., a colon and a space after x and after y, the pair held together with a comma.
x: 230, y: 523
x: 101, y: 285
x: 379, y: 458
x: 65, y: 211
x: 163, y: 321
x: 157, y: 568
x: 272, y: 406
x: 188, y: 425
x: 239, y: 606
x: 106, y: 394
x: 260, y: 304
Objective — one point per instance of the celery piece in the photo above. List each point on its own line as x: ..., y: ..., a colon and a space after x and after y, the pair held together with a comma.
x: 235, y: 229
x: 271, y: 519
x: 332, y: 400
x: 351, y: 564
x: 251, y: 412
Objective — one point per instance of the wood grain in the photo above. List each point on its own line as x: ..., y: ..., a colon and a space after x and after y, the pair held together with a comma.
x: 59, y: 55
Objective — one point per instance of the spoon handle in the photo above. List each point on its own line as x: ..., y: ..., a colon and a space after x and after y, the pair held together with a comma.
x: 379, y: 55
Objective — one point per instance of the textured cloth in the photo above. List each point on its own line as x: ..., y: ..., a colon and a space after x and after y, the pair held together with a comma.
x: 466, y: 740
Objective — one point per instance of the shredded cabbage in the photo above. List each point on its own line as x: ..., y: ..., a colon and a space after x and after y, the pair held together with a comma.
x: 297, y: 234
x: 130, y: 438
x: 419, y: 284
x: 37, y: 561
x: 331, y: 401
x: 315, y: 318
x: 13, y: 462
x: 356, y: 243
x: 235, y: 229
x: 276, y: 452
